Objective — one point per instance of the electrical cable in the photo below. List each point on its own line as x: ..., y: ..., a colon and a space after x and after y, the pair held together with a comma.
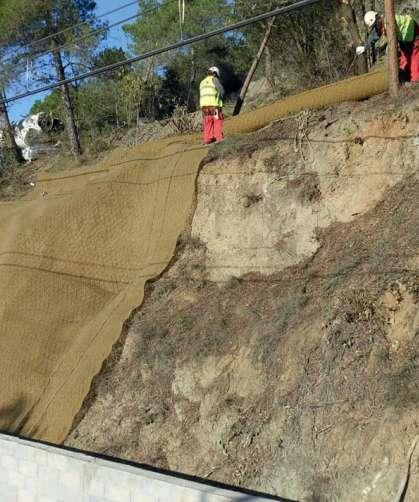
x: 68, y: 28
x: 87, y: 35
x: 176, y: 45
x: 96, y: 31
x: 104, y: 29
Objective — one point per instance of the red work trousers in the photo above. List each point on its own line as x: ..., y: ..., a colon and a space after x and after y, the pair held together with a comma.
x: 213, y: 125
x: 409, y: 60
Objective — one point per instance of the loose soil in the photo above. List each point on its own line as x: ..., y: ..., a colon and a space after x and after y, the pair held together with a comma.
x: 302, y: 382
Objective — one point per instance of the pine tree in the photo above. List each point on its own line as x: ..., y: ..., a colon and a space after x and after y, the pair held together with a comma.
x: 39, y: 26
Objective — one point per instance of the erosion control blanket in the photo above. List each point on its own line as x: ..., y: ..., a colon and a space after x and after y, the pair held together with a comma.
x: 72, y: 266
x: 75, y: 255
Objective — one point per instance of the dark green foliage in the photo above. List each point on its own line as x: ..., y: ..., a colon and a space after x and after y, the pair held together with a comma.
x: 107, y: 57
x: 307, y: 48
x: 51, y: 104
x: 12, y: 179
x: 23, y: 21
x: 183, y: 69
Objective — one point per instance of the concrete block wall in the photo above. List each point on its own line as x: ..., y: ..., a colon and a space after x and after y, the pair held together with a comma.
x: 34, y: 472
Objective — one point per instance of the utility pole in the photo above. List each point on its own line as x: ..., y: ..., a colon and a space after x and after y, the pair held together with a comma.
x: 240, y: 99
x: 393, y: 57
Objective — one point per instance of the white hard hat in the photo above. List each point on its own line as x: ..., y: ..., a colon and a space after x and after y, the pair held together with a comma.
x: 214, y: 69
x: 370, y: 18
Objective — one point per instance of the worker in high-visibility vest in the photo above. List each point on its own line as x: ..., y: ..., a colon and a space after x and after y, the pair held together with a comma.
x: 211, y: 94
x: 407, y: 35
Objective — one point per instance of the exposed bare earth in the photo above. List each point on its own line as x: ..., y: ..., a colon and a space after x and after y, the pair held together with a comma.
x: 280, y: 350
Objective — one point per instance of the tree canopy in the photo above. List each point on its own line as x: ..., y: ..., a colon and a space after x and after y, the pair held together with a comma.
x: 306, y: 48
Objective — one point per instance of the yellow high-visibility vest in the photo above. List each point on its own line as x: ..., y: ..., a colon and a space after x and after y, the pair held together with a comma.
x: 208, y: 93
x: 406, y: 26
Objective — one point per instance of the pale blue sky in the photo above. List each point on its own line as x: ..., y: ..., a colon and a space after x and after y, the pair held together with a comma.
x: 116, y: 38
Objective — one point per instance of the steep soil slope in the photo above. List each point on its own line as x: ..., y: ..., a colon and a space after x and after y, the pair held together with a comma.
x: 75, y: 254
x: 280, y: 350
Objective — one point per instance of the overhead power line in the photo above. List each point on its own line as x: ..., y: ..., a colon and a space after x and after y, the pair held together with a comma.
x: 74, y: 26
x: 91, y: 33
x: 94, y: 32
x: 176, y: 45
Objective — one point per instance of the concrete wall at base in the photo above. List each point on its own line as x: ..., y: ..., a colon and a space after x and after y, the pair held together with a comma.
x: 34, y: 472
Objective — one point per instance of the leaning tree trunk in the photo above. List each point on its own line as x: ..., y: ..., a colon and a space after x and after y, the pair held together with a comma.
x: 254, y: 66
x: 70, y: 120
x: 9, y: 128
x: 349, y: 19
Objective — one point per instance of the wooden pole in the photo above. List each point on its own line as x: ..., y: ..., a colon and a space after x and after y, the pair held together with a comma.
x: 254, y: 66
x: 393, y: 57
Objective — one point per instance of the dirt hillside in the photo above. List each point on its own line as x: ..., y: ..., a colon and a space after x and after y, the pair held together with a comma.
x: 77, y: 249
x: 280, y: 349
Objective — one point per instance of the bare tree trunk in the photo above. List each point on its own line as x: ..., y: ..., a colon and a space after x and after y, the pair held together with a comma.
x: 70, y: 120
x: 144, y: 88
x: 4, y: 116
x: 349, y: 19
x: 393, y: 57
x: 253, y: 68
